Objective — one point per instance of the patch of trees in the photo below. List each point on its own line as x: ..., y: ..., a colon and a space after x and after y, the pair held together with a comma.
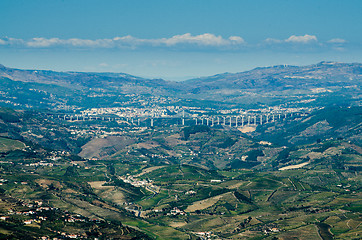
x: 254, y: 154
x: 187, y: 131
x: 71, y: 171
x: 241, y: 197
x: 250, y: 161
x: 324, y: 147
x: 111, y: 169
x: 237, y: 164
x: 283, y: 156
x: 8, y: 115
x: 243, y: 224
x: 137, y: 193
x: 73, y: 157
x: 229, y: 142
x: 22, y: 156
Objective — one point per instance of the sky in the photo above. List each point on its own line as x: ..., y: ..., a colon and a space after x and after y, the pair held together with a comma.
x: 177, y: 39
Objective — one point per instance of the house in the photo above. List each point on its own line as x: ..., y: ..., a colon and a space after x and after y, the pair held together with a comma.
x: 27, y: 222
x: 190, y: 192
x: 72, y: 236
x: 176, y: 211
x: 215, y: 181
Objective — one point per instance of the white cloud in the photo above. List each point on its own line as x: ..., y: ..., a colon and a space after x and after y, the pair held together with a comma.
x: 74, y: 42
x: 237, y: 40
x: 185, y: 41
x: 43, y: 42
x: 103, y: 65
x: 273, y: 40
x: 206, y: 39
x: 302, y: 39
x: 293, y: 39
x: 337, y: 40
x: 11, y: 41
x: 202, y: 40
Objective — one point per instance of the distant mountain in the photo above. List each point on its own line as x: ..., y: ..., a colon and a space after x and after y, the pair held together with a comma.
x: 323, y: 74
x: 319, y: 84
x: 76, y: 79
x: 61, y: 90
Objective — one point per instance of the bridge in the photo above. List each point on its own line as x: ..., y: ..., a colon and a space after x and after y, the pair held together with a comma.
x: 232, y: 121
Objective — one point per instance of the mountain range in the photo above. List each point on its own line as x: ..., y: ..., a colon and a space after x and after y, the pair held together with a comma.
x: 267, y: 85
x: 323, y: 74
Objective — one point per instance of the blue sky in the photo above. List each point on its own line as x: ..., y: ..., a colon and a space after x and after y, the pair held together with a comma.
x: 177, y: 39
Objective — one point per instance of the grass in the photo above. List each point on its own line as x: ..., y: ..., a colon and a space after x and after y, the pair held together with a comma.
x: 157, y: 232
x: 7, y: 144
x: 302, y: 233
x: 265, y: 183
x: 229, y: 174
x: 153, y: 201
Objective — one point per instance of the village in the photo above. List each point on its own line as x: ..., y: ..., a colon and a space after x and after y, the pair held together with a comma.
x: 34, y: 214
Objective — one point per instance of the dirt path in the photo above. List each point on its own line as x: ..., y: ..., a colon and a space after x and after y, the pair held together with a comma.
x: 294, y: 187
x: 293, y: 166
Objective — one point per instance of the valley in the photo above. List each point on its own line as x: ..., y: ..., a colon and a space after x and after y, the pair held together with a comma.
x: 84, y: 157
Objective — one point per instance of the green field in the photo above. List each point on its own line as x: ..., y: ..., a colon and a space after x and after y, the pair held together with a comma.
x: 7, y: 144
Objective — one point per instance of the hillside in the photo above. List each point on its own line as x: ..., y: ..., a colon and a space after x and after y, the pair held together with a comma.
x: 175, y: 181
x: 74, y: 79
x: 69, y: 90
x: 331, y: 122
x: 321, y: 84
x: 283, y: 77
x: 329, y: 134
